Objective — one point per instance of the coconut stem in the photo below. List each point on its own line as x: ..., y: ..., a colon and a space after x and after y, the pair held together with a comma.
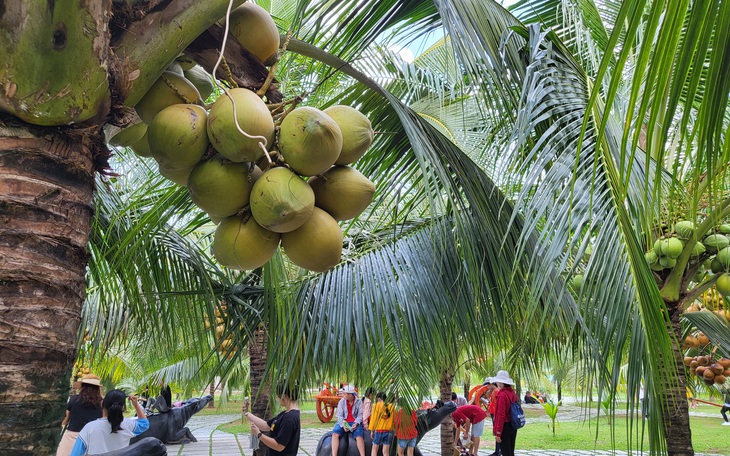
x: 229, y: 74
x: 267, y: 82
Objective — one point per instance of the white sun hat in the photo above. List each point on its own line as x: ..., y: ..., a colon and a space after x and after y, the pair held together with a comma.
x: 503, y: 377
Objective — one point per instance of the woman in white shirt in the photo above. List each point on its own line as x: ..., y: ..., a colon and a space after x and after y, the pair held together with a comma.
x: 112, y: 431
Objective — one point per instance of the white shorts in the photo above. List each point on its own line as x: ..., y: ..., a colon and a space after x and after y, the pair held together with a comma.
x: 477, y: 429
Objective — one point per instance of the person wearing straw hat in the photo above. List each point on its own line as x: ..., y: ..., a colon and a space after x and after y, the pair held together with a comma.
x: 349, y: 420
x: 112, y: 431
x: 503, y: 431
x: 81, y: 409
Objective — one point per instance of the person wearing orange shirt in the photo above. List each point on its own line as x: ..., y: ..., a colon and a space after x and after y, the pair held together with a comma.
x: 406, y: 429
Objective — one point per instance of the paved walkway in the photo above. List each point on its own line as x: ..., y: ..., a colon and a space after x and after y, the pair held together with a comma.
x: 212, y: 442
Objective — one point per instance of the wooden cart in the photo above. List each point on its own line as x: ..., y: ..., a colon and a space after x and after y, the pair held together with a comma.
x: 327, y: 400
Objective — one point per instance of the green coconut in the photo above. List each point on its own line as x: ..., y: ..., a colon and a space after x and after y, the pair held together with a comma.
x: 342, y: 191
x: 684, y: 228
x: 316, y: 245
x: 724, y: 228
x: 723, y: 284
x: 715, y: 242
x: 651, y: 257
x: 253, y: 117
x: 222, y: 188
x: 243, y: 245
x: 698, y: 249
x: 281, y: 201
x: 699, y: 276
x: 658, y: 247
x: 177, y: 136
x: 357, y: 132
x: 201, y: 80
x: 171, y: 88
x: 254, y: 28
x: 127, y: 136
x: 723, y: 256
x: 141, y: 147
x: 577, y: 281
x: 656, y: 267
x: 179, y: 176
x: 716, y: 266
x: 672, y: 247
x: 667, y: 262
x: 310, y: 141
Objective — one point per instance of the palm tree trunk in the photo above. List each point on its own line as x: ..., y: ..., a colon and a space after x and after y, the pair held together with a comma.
x: 447, y: 426
x: 467, y: 384
x: 211, y: 391
x: 676, y: 413
x: 259, y: 388
x: 560, y: 391
x: 46, y: 185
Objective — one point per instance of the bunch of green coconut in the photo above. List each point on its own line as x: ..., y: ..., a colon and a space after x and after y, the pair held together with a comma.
x: 263, y: 185
x: 713, y: 250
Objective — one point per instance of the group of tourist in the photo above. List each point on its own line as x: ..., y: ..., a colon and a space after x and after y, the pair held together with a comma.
x: 96, y: 425
x: 471, y: 418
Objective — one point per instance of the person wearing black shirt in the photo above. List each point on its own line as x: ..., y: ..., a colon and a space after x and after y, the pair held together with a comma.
x: 81, y: 409
x: 281, y: 433
x: 530, y: 399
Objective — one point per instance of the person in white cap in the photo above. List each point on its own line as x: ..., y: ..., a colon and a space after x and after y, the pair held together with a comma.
x: 349, y: 420
x: 503, y: 431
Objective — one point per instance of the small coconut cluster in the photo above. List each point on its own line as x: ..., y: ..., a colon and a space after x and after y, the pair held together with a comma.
x: 264, y: 179
x: 225, y: 345
x: 711, y: 371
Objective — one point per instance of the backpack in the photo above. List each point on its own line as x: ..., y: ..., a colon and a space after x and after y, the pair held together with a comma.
x: 516, y: 415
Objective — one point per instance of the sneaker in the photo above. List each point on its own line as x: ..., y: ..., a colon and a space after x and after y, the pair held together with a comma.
x: 726, y: 423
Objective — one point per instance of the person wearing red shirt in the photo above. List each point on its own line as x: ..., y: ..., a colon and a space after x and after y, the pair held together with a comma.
x: 491, y: 396
x: 406, y: 429
x: 503, y: 430
x: 471, y: 417
x: 349, y: 420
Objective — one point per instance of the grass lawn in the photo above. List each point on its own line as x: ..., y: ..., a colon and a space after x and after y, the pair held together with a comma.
x: 708, y: 435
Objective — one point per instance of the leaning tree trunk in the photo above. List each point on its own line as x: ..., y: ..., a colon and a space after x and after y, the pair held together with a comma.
x: 447, y: 426
x: 259, y: 388
x: 677, y: 430
x: 46, y: 185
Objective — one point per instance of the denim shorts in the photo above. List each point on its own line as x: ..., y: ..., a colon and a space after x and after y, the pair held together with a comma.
x: 381, y: 438
x: 477, y: 429
x: 358, y: 432
x: 407, y: 443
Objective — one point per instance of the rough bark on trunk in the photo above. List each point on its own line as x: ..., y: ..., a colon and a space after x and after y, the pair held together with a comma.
x: 560, y: 391
x: 677, y: 431
x: 447, y: 426
x: 211, y: 391
x: 46, y: 186
x: 259, y: 389
x: 467, y: 384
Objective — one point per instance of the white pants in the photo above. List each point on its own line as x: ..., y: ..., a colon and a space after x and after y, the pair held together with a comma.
x: 67, y: 443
